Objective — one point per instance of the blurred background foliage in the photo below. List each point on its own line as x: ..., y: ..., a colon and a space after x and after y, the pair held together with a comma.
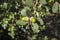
x: 29, y: 19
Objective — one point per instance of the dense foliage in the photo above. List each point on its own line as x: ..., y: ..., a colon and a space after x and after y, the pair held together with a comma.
x: 29, y: 19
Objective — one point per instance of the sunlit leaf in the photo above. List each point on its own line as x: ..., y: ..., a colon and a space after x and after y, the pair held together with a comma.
x: 24, y: 12
x: 55, y: 7
x: 20, y: 22
x: 43, y: 1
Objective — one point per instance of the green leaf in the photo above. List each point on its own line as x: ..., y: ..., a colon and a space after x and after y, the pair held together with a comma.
x: 42, y: 27
x: 45, y: 38
x: 24, y: 12
x: 4, y: 26
x: 43, y: 14
x: 47, y: 8
x: 20, y: 22
x: 47, y: 13
x: 35, y: 28
x: 11, y: 16
x: 27, y: 27
x: 4, y: 5
x: 29, y: 3
x: 29, y: 13
x: 34, y: 37
x: 4, y: 23
x: 11, y: 29
x: 55, y: 7
x: 27, y: 8
x: 40, y: 20
x: 43, y: 1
